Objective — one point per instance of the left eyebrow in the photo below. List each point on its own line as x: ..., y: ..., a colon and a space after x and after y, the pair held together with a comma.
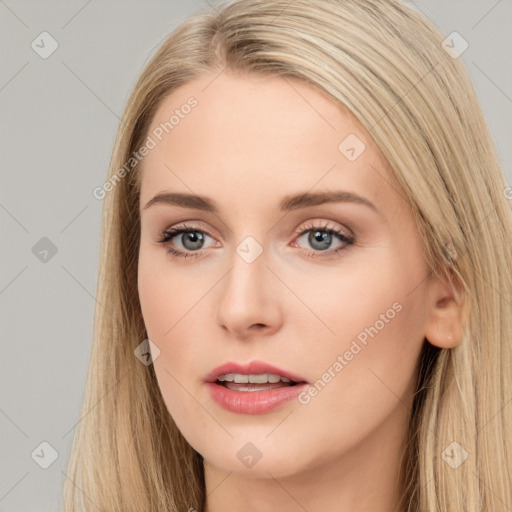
x: 288, y: 203
x: 307, y: 199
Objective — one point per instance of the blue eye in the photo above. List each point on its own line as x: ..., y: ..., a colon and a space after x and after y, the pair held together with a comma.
x: 192, y: 239
x: 321, y: 238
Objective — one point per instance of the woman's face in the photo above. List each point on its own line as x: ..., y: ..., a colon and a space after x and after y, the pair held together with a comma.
x: 327, y: 288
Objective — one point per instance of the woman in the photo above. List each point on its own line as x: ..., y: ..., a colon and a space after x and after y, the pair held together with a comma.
x: 304, y: 295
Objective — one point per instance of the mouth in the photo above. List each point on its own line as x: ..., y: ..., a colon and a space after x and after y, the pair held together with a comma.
x: 253, y: 382
x: 252, y: 376
x: 253, y: 388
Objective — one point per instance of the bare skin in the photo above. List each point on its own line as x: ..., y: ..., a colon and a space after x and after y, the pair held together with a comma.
x: 248, y: 143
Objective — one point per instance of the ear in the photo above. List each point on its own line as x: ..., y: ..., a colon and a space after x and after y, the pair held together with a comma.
x: 445, y: 315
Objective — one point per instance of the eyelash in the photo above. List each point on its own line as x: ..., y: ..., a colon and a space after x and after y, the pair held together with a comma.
x: 171, y: 233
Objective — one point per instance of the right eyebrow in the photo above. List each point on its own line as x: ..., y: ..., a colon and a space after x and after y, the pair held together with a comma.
x: 184, y: 200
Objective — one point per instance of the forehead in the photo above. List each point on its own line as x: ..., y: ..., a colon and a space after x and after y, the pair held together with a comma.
x: 263, y: 137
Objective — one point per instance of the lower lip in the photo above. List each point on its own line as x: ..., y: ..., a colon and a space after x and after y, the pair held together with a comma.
x: 253, y: 402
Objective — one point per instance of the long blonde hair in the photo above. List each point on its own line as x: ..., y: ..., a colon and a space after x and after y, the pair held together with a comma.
x: 385, y: 63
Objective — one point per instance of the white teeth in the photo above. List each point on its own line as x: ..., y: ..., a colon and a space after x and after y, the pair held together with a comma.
x: 262, y: 378
x: 230, y: 377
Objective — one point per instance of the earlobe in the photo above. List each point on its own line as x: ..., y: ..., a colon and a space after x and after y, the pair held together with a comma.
x: 445, y: 317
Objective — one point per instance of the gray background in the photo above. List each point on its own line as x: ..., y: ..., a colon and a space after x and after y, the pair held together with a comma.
x: 59, y: 117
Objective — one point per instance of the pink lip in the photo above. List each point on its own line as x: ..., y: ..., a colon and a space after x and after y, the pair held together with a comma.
x: 253, y: 402
x: 252, y: 368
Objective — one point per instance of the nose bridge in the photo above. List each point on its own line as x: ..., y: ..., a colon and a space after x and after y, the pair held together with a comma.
x: 248, y: 269
x: 247, y: 296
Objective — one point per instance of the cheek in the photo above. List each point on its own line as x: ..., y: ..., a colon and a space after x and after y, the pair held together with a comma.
x: 169, y: 305
x: 165, y: 296
x: 367, y: 366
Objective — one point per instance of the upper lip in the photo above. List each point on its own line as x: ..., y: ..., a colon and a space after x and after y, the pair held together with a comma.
x: 251, y: 368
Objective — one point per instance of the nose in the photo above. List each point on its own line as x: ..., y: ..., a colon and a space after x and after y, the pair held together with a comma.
x: 249, y: 299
